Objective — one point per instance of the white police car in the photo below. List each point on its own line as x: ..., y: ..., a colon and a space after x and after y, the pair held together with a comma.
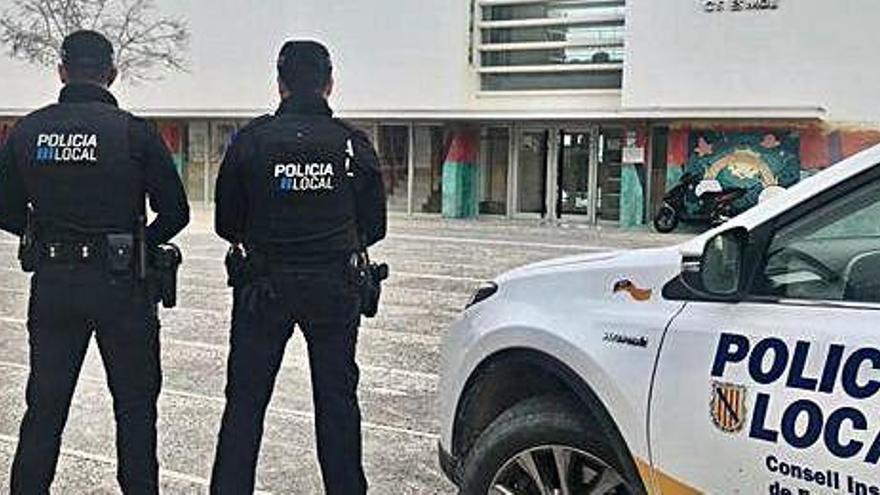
x: 744, y: 361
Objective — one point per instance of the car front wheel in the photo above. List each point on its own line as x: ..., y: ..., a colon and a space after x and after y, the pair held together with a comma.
x: 542, y: 447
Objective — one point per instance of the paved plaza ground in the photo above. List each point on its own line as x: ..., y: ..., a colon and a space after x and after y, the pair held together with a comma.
x: 435, y: 266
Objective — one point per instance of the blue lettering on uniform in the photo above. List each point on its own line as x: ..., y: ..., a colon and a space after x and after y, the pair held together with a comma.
x: 731, y: 349
x: 814, y: 424
x: 44, y: 153
x: 777, y: 367
x: 832, y: 432
x: 851, y: 374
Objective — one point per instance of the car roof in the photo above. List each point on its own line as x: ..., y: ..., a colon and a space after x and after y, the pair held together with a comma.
x: 795, y: 195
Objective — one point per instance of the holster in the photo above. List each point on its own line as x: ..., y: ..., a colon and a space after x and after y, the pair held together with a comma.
x: 236, y: 266
x: 28, y: 250
x: 368, y: 279
x: 28, y: 255
x: 249, y: 273
x: 165, y: 261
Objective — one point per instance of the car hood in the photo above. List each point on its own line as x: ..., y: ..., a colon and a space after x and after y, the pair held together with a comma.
x: 597, y: 275
x: 541, y: 266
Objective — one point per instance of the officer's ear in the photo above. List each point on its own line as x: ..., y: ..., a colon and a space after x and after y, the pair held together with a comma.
x: 62, y: 74
x: 328, y: 89
x: 283, y: 92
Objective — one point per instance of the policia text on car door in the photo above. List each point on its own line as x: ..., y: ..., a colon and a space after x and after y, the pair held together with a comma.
x: 789, y: 366
x: 298, y: 194
x: 73, y: 181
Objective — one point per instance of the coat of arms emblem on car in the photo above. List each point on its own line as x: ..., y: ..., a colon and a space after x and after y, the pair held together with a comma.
x: 636, y: 292
x: 728, y: 406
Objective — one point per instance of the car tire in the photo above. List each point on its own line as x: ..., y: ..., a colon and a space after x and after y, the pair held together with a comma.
x: 526, y: 427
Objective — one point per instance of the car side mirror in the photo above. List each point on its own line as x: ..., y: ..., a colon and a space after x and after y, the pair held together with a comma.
x: 720, y: 271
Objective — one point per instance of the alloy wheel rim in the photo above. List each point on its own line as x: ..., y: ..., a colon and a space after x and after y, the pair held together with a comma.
x: 557, y: 470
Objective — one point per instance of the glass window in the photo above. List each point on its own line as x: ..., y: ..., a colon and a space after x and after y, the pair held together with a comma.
x: 559, y: 56
x: 563, y: 80
x: 528, y: 46
x: 495, y: 144
x: 195, y: 172
x: 532, y: 172
x: 549, y: 9
x: 831, y: 254
x: 574, y: 173
x: 611, y: 144
x: 431, y: 149
x: 222, y: 133
x: 393, y: 149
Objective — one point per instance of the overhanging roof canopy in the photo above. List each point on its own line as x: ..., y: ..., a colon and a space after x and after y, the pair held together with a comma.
x: 648, y: 113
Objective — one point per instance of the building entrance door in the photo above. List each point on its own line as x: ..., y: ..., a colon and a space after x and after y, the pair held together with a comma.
x: 609, y: 190
x: 531, y: 170
x: 559, y: 173
x: 574, y: 181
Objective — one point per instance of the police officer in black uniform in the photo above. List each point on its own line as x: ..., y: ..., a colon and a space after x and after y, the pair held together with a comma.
x: 73, y: 181
x: 300, y: 191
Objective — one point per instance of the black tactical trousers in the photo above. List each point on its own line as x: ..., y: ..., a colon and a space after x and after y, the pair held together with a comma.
x: 326, y: 307
x: 67, y: 305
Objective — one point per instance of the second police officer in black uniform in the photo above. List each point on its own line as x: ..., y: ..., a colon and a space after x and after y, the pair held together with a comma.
x: 299, y: 192
x: 73, y: 181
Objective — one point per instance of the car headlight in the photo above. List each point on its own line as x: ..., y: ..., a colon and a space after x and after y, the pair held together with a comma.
x: 485, y: 291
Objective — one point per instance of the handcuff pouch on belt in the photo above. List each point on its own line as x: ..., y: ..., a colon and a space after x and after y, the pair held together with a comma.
x: 120, y: 253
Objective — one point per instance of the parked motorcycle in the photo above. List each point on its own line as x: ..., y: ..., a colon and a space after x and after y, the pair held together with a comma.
x: 715, y: 203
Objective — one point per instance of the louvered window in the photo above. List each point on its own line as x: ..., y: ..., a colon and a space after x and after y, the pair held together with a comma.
x: 549, y: 44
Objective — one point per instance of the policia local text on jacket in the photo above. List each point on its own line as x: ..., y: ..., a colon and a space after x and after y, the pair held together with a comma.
x: 84, y: 167
x: 297, y: 189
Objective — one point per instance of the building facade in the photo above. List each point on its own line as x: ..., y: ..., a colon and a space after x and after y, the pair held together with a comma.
x: 567, y: 110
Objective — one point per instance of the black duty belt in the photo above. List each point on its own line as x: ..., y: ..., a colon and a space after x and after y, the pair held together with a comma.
x: 73, y: 252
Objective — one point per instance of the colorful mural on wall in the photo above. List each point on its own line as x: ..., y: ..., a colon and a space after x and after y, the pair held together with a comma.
x: 747, y: 160
x: 755, y: 155
x: 172, y: 134
x: 460, y: 194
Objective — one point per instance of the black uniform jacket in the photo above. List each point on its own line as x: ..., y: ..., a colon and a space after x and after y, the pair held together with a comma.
x: 301, y: 187
x: 84, y: 165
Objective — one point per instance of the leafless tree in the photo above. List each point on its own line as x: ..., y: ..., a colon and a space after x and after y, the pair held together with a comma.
x: 146, y: 42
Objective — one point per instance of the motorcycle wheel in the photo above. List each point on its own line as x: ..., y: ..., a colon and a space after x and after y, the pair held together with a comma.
x: 666, y: 220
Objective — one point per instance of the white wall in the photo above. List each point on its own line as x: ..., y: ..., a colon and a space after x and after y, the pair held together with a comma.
x: 234, y: 45
x: 410, y: 56
x: 390, y: 55
x: 806, y: 53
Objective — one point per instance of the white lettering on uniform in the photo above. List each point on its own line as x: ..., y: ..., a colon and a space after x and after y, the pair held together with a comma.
x: 304, y: 176
x: 60, y: 148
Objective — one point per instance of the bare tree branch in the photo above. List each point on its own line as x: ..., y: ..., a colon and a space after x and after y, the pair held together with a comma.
x: 146, y: 42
